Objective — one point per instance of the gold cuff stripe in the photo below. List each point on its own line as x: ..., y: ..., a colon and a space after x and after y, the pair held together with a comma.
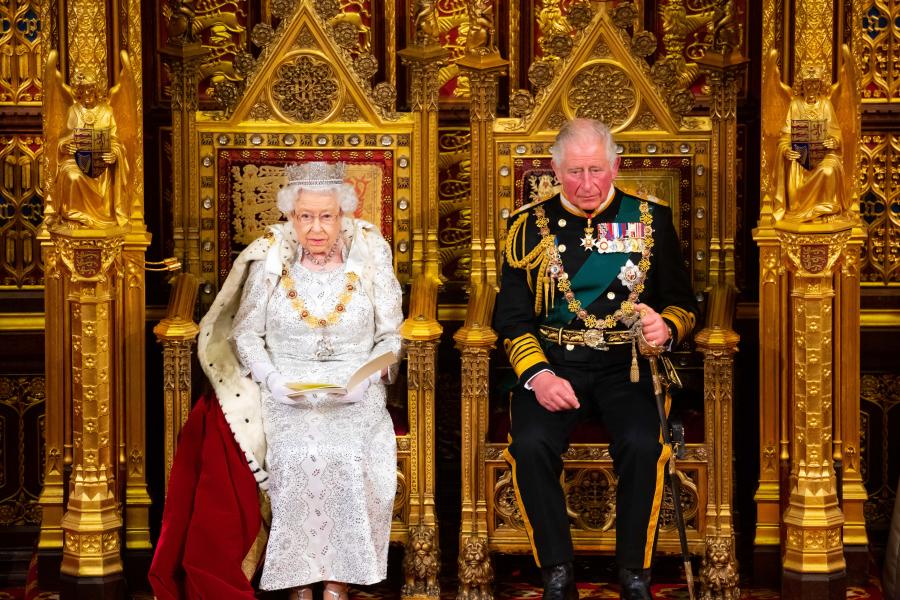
x: 524, y: 352
x: 516, y: 353
x: 683, y: 320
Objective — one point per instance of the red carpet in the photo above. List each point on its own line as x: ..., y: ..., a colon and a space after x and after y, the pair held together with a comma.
x: 516, y: 579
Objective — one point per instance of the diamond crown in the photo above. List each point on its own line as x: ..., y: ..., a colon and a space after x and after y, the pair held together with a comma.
x: 315, y: 174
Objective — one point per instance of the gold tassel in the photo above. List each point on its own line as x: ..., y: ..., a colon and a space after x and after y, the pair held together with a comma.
x: 635, y: 372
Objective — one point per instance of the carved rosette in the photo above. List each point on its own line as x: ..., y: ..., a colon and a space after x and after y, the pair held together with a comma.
x: 506, y: 506
x: 306, y: 90
x: 591, y: 498
x: 615, y: 106
x: 690, y: 504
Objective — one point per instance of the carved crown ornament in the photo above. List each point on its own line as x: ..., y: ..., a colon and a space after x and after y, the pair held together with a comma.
x: 306, y: 59
x: 603, y: 55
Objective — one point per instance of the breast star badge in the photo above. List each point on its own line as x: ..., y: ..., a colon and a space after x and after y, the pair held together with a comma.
x: 629, y: 274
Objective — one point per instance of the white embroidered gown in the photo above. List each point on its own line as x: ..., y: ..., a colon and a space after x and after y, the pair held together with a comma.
x: 332, y: 465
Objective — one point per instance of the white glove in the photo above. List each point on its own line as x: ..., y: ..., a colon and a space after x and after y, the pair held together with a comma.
x: 356, y: 394
x: 277, y: 384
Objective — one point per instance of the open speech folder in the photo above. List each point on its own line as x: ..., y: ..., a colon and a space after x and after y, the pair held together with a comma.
x: 382, y: 361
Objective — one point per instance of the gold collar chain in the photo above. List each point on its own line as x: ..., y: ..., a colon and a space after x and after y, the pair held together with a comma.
x: 564, y: 285
x: 287, y: 282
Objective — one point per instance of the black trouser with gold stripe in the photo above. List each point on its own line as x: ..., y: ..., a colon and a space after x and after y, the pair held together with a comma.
x: 538, y: 437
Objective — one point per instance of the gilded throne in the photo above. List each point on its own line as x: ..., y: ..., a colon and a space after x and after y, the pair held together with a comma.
x: 307, y: 99
x: 667, y: 155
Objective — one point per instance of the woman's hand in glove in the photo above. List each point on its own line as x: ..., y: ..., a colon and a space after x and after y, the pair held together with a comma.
x: 277, y: 384
x: 358, y: 393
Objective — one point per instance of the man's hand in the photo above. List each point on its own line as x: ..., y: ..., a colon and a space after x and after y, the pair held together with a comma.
x: 655, y: 329
x: 554, y: 393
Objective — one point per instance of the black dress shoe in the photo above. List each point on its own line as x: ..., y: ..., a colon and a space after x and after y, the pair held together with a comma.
x: 635, y: 584
x: 559, y: 582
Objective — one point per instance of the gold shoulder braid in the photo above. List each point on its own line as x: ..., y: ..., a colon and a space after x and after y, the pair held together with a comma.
x: 595, y: 326
x: 537, y: 257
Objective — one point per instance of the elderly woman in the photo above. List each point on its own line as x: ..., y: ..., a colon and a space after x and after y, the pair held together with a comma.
x: 311, y: 301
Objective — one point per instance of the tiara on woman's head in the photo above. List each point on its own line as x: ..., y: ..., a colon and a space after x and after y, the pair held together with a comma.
x: 315, y: 174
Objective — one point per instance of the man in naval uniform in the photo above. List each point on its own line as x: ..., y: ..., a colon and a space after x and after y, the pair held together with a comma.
x: 584, y: 271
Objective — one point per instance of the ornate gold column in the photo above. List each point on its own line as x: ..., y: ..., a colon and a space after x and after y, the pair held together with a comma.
x: 132, y: 323
x: 813, y: 555
x: 718, y: 343
x: 90, y: 263
x: 774, y: 447
x: 177, y: 334
x: 724, y: 72
x: 846, y: 453
x: 421, y: 332
x: 483, y: 66
x: 424, y: 57
x: 184, y: 53
x: 475, y: 340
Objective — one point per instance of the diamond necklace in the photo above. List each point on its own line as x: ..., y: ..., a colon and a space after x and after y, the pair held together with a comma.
x: 320, y: 262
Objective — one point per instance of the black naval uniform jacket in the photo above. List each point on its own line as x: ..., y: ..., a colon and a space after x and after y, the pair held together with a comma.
x: 529, y: 298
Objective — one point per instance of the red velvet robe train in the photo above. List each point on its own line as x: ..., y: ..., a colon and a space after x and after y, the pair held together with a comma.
x: 212, y: 515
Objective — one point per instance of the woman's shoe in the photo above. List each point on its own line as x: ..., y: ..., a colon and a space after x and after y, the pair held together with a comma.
x: 337, y: 594
x: 301, y: 593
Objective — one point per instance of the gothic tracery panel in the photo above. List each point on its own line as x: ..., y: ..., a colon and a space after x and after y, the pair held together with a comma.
x: 20, y: 53
x: 879, y: 204
x: 21, y: 210
x: 21, y: 449
x: 880, y: 53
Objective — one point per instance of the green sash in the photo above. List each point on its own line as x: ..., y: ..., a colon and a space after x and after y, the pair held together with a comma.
x: 598, y: 270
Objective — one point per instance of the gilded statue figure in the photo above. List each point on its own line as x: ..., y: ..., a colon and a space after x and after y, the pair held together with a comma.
x: 91, y: 144
x: 552, y: 23
x: 427, y: 25
x: 480, y: 38
x: 810, y: 138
